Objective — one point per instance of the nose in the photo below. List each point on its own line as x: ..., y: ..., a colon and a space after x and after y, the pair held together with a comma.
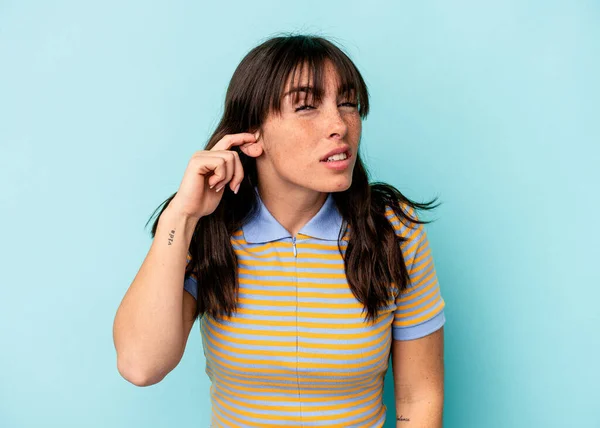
x: 335, y: 122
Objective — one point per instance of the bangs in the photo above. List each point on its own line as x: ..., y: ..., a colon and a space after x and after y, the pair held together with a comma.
x: 311, y: 55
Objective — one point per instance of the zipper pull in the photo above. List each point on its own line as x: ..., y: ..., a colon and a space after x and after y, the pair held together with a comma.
x: 294, y: 246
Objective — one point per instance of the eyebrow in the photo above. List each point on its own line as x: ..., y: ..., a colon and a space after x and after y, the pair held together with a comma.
x: 306, y: 88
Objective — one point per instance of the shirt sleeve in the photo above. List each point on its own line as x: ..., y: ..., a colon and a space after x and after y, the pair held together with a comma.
x: 190, y: 283
x: 420, y: 308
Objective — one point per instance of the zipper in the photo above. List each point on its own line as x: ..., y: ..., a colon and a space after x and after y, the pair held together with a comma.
x: 297, y: 329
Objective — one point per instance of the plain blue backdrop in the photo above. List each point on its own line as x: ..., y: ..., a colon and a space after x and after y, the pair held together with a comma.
x: 492, y: 106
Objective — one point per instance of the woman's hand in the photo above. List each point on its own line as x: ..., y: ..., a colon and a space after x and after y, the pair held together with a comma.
x: 207, y: 173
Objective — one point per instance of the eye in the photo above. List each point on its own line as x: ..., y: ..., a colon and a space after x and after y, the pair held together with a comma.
x: 307, y: 106
x: 304, y: 107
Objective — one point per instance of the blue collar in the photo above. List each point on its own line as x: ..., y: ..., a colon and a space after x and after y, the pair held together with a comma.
x: 263, y: 227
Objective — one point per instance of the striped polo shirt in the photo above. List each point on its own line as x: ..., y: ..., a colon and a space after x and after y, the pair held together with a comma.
x: 298, y: 352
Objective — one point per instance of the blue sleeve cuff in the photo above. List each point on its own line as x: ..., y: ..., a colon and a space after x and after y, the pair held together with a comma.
x: 191, y: 286
x: 419, y: 330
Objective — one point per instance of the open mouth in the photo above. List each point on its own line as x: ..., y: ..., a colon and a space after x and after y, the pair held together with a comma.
x: 338, y: 157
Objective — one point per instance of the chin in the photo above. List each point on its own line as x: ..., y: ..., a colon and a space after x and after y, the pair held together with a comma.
x: 337, y: 184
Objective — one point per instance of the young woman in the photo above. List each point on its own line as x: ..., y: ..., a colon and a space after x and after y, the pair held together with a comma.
x: 305, y: 277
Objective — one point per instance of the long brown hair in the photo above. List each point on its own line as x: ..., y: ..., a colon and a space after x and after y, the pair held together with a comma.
x: 373, y: 259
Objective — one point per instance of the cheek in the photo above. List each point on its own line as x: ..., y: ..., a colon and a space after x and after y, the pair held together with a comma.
x: 355, y: 125
x: 293, y: 157
x: 292, y: 147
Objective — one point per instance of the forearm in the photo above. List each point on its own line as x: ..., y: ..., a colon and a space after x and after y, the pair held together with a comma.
x: 426, y: 413
x: 148, y: 326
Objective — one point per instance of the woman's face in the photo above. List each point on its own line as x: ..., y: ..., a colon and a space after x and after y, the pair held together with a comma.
x: 296, y: 144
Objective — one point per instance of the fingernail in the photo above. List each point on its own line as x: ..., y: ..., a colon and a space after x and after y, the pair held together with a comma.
x: 211, y: 186
x: 220, y: 188
x: 237, y: 188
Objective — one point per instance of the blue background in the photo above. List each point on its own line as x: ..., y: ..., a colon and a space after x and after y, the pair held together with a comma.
x: 492, y: 106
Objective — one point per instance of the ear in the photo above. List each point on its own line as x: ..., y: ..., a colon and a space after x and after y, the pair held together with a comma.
x: 254, y: 149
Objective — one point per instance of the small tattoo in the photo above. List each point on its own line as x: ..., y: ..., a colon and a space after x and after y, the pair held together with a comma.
x: 171, y: 236
x: 400, y: 418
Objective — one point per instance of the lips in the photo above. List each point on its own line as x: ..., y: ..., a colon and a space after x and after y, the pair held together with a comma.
x: 343, y: 149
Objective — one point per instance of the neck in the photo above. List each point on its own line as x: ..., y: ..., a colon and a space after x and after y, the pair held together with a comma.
x: 293, y: 206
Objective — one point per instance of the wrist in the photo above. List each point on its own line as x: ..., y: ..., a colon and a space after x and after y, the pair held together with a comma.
x: 177, y: 210
x: 172, y: 217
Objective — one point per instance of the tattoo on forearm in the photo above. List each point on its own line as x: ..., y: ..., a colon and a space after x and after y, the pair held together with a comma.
x: 171, y: 236
x: 401, y: 419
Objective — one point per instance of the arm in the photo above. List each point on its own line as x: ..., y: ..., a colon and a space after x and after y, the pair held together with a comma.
x: 418, y: 367
x: 154, y: 319
x: 418, y: 335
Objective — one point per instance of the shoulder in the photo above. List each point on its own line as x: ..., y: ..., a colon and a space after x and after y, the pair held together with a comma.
x: 402, y: 219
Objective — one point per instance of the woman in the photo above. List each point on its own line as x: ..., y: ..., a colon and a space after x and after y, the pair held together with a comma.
x: 304, y: 276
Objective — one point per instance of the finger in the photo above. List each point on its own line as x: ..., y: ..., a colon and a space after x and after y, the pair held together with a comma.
x: 216, y: 165
x: 238, y: 173
x: 225, y: 173
x: 221, y: 174
x: 235, y: 170
x: 231, y: 140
